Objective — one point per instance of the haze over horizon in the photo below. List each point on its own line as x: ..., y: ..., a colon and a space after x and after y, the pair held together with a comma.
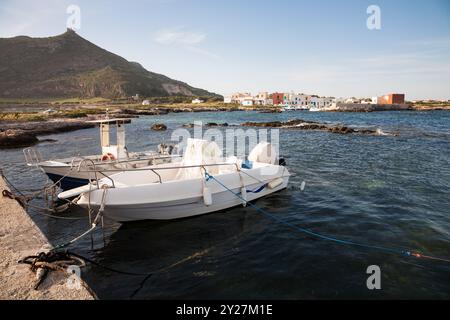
x: 316, y: 47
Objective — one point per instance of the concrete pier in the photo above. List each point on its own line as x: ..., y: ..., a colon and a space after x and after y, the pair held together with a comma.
x: 20, y: 237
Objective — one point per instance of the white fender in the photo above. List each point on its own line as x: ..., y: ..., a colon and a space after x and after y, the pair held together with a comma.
x: 275, y: 183
x: 244, y: 196
x: 207, y: 196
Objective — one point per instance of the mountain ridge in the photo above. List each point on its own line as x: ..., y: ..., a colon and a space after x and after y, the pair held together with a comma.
x: 67, y: 66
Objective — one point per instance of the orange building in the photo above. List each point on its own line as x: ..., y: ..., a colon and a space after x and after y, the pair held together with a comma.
x: 394, y: 98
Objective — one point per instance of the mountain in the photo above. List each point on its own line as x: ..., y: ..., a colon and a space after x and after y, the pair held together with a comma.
x: 70, y: 66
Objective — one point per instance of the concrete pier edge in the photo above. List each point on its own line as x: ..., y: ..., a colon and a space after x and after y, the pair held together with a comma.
x: 21, y: 237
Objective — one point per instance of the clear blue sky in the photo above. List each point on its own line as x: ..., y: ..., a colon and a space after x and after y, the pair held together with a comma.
x: 321, y: 47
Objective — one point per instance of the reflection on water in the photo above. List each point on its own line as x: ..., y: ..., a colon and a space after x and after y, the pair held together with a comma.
x: 386, y: 190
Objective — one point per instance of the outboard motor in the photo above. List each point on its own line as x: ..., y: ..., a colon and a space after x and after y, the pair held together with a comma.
x: 282, y: 162
x: 165, y: 149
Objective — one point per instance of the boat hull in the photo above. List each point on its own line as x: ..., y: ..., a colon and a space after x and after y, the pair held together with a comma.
x: 165, y: 207
x: 67, y: 182
x: 69, y: 177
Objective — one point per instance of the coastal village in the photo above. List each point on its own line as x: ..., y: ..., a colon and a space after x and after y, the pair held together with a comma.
x: 301, y: 101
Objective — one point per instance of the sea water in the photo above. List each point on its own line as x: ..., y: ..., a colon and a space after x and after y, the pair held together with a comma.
x: 390, y: 189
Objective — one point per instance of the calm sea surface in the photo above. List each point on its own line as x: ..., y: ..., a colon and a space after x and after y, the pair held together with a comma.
x: 390, y: 191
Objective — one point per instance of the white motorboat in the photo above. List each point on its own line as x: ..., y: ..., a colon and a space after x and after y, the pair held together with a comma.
x: 202, y: 182
x: 288, y: 108
x: 69, y: 173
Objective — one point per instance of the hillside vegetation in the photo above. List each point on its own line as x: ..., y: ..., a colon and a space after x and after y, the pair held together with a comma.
x: 68, y: 66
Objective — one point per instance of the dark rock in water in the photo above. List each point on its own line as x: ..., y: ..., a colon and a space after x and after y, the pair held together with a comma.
x: 273, y: 124
x: 50, y: 127
x: 296, y: 122
x: 24, y: 134
x: 17, y: 139
x: 48, y: 140
x: 311, y: 126
x: 271, y: 111
x: 209, y: 124
x: 213, y: 124
x: 367, y: 131
x: 341, y: 129
x: 301, y: 124
x: 159, y: 127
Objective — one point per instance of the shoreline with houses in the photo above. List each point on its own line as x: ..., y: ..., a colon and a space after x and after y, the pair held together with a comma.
x: 300, y: 101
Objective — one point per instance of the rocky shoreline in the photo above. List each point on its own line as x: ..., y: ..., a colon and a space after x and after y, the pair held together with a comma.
x: 25, y: 131
x: 301, y: 124
x: 298, y: 124
x: 25, y: 134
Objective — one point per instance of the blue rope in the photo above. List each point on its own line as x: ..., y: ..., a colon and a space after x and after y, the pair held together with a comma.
x: 309, y: 232
x: 258, y: 190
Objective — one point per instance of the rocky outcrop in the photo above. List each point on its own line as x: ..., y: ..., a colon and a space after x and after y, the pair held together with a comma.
x: 272, y: 111
x: 17, y: 138
x: 310, y: 125
x: 159, y: 127
x: 24, y: 134
x: 214, y: 124
x: 209, y: 124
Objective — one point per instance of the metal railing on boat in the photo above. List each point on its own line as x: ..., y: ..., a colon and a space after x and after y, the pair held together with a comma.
x: 32, y: 156
x: 153, y: 169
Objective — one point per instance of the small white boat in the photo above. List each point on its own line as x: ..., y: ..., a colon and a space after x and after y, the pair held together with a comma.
x: 169, y: 191
x: 69, y: 173
x: 288, y: 108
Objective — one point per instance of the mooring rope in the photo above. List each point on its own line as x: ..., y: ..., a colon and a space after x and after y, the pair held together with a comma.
x: 25, y: 199
x: 94, y: 223
x: 51, y: 261
x: 404, y: 252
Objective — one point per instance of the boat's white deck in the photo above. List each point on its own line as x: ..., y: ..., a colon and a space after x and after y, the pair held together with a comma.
x: 167, y: 172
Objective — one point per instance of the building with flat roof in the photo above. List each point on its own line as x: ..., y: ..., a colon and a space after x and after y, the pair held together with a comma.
x: 393, y: 98
x: 277, y: 98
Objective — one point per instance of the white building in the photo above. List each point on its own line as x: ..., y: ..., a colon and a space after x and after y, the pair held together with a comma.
x: 246, y: 99
x: 328, y: 101
x: 197, y: 101
x: 262, y: 99
x: 300, y: 100
x: 146, y: 103
x: 248, y: 102
x: 322, y: 102
x: 239, y: 97
x: 269, y: 102
x: 352, y: 100
x: 375, y: 100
